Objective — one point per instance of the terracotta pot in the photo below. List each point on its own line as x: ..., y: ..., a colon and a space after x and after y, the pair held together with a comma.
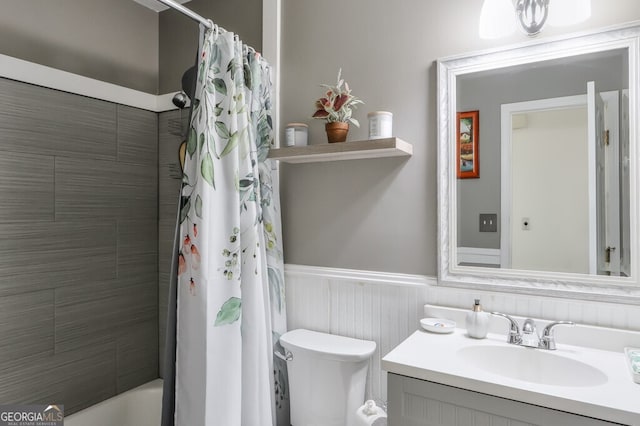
x: 337, y: 132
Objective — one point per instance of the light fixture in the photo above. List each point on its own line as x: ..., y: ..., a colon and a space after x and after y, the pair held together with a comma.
x: 496, y: 16
x: 532, y: 15
x: 496, y: 19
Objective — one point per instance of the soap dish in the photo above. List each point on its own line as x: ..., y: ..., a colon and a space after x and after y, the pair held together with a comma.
x: 632, y: 356
x: 438, y: 325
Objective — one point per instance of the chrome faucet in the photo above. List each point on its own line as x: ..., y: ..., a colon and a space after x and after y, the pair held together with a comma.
x: 514, y: 336
x: 548, y: 341
x: 529, y: 336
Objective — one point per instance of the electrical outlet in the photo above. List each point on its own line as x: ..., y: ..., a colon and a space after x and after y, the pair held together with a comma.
x: 488, y: 222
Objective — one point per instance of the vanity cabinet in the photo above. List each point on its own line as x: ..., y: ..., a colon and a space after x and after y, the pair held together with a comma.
x: 414, y: 402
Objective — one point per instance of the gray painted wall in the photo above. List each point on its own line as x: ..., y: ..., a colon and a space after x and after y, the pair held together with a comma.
x: 378, y: 214
x: 179, y: 34
x: 114, y: 41
x: 78, y: 253
x: 486, y: 92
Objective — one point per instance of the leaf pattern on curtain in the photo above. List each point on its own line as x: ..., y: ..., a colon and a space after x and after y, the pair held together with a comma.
x: 231, y: 308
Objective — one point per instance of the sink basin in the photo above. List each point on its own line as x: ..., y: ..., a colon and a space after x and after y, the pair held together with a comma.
x: 532, y: 365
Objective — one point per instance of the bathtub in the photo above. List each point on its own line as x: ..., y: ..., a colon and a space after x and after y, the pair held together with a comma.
x: 140, y: 406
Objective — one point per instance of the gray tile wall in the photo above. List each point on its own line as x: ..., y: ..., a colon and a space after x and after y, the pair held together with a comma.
x: 172, y: 130
x: 78, y: 247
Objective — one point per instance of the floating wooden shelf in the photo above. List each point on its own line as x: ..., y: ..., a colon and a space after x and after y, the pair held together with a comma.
x: 375, y: 148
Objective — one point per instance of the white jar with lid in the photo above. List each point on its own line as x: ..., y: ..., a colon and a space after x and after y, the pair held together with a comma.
x: 296, y: 134
x: 380, y: 124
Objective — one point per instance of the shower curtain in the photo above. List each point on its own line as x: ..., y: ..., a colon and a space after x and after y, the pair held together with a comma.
x: 230, y: 290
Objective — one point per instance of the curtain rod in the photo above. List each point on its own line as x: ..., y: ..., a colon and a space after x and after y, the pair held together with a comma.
x: 191, y: 14
x: 186, y: 11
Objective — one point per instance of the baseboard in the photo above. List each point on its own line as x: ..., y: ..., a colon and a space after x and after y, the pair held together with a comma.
x: 476, y: 255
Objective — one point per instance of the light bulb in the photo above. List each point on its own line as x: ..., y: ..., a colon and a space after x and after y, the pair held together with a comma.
x: 497, y: 19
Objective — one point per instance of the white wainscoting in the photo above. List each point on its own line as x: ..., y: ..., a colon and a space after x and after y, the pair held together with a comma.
x: 387, y: 307
x: 588, y: 312
x: 374, y: 306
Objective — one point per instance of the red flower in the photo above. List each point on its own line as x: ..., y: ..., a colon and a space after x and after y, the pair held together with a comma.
x: 186, y: 244
x: 195, y: 257
x: 195, y: 230
x: 182, y: 264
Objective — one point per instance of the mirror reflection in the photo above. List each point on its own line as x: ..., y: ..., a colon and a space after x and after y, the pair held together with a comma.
x: 551, y: 189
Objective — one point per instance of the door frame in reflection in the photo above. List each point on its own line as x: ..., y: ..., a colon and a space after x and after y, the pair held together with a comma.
x: 602, y: 225
x: 528, y: 246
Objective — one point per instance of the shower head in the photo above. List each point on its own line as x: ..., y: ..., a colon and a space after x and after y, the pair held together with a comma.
x: 180, y: 100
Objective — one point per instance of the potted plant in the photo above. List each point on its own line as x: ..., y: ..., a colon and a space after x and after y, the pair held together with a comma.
x: 336, y: 108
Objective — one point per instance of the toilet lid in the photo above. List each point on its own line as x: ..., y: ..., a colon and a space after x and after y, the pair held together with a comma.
x: 328, y: 345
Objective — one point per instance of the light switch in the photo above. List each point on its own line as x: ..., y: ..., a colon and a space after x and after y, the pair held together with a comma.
x: 488, y: 222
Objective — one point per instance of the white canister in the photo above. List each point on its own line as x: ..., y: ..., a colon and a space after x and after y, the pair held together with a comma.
x: 380, y: 124
x: 296, y: 134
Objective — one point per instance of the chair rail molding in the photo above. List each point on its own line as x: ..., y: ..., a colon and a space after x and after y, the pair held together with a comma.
x: 387, y: 278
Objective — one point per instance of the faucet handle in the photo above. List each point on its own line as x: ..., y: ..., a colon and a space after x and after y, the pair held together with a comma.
x: 548, y: 341
x: 514, y: 329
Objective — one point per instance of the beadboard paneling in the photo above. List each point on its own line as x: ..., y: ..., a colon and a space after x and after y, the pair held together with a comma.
x: 137, y: 135
x: 97, y: 188
x: 387, y: 307
x: 602, y: 314
x: 358, y: 306
x: 308, y: 303
x: 26, y: 187
x: 26, y: 321
x: 37, y: 120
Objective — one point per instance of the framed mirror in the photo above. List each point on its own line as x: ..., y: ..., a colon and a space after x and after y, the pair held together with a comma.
x: 538, y: 168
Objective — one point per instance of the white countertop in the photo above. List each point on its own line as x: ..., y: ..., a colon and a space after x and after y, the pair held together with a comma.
x: 433, y: 357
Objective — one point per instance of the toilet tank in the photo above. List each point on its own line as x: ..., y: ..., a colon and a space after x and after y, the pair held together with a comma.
x: 327, y: 377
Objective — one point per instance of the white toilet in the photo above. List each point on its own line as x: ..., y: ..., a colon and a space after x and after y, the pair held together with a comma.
x: 327, y: 377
